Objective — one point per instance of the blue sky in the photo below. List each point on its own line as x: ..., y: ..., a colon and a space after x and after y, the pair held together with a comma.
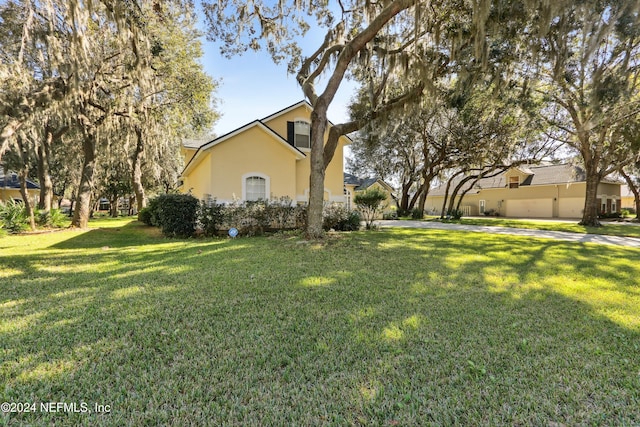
x: 253, y: 87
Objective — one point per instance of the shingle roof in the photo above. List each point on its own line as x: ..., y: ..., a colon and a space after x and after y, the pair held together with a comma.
x: 12, y: 181
x: 194, y: 143
x: 537, y: 175
x: 360, y: 183
x: 351, y: 179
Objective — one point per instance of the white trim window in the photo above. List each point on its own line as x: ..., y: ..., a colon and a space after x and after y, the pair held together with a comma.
x: 302, y: 134
x: 482, y: 207
x: 255, y: 186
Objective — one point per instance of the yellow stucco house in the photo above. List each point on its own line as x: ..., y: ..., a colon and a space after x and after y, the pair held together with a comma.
x: 628, y: 199
x: 545, y: 191
x: 353, y: 185
x: 265, y: 159
x: 10, y: 188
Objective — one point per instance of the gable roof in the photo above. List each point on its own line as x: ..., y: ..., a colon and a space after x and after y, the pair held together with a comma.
x: 287, y: 109
x: 299, y: 104
x: 257, y: 123
x: 536, y: 175
x: 11, y: 181
x: 194, y: 143
x: 364, y: 183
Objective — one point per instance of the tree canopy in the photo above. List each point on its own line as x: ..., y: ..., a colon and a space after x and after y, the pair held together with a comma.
x: 119, y: 82
x: 576, y: 62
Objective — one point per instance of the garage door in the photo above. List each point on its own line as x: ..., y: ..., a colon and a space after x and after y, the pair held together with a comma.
x: 530, y: 208
x: 571, y: 207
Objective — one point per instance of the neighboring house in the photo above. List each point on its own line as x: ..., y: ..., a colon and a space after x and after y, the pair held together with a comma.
x: 628, y: 201
x: 10, y: 188
x: 265, y: 159
x: 353, y: 185
x: 548, y: 191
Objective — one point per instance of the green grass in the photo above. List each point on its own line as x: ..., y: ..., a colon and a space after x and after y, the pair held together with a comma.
x: 397, y: 327
x: 608, y: 228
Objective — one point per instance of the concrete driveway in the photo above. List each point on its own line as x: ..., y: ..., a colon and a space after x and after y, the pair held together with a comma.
x: 544, y: 234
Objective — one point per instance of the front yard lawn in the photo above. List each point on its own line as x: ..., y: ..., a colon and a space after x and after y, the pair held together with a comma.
x: 397, y: 327
x: 610, y: 228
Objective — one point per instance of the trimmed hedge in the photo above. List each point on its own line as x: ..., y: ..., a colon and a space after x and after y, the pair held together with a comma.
x: 339, y: 218
x: 182, y: 215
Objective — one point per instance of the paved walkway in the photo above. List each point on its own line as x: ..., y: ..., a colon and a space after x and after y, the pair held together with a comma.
x: 545, y: 234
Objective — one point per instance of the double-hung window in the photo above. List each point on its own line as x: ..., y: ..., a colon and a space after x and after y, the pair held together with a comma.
x: 302, y: 134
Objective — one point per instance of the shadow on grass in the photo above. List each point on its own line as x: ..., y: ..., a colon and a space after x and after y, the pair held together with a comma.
x: 131, y: 233
x: 389, y: 328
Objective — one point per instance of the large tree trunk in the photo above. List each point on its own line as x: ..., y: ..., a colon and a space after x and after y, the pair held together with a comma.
x: 113, y: 207
x: 456, y: 190
x: 446, y: 193
x: 404, y: 197
x: 316, y: 178
x: 82, y: 211
x: 590, y: 214
x: 28, y: 206
x: 422, y: 201
x: 426, y: 183
x: 136, y: 176
x: 44, y: 173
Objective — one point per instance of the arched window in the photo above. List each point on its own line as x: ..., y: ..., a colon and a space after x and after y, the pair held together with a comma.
x: 255, y: 188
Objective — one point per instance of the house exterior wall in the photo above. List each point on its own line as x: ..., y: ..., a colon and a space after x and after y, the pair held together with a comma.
x: 334, y: 176
x: 222, y: 168
x: 253, y: 152
x: 198, y: 182
x: 627, y: 202
x: 7, y: 194
x: 543, y: 201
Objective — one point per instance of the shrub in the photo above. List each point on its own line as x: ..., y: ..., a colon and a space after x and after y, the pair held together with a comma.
x: 211, y: 218
x: 417, y: 213
x: 245, y: 217
x: 52, y: 219
x: 13, y: 217
x: 283, y: 213
x: 403, y: 212
x: 390, y: 215
x: 332, y: 215
x: 369, y: 203
x: 145, y: 216
x: 300, y: 216
x: 624, y: 213
x: 350, y: 223
x: 339, y: 218
x: 454, y: 214
x: 177, y: 214
x: 610, y: 215
x: 150, y: 214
